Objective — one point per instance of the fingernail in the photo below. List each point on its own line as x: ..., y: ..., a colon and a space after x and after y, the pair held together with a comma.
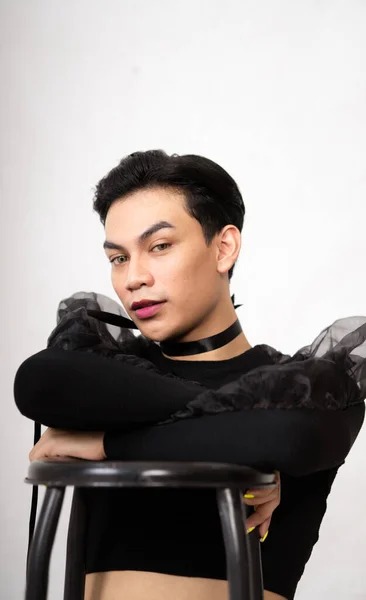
x: 250, y: 529
x: 263, y: 539
x: 248, y: 496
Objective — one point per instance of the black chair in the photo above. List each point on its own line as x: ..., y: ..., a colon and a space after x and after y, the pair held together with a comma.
x: 244, y: 569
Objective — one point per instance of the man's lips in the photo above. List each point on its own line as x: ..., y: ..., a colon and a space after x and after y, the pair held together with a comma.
x: 148, y: 311
x: 143, y: 303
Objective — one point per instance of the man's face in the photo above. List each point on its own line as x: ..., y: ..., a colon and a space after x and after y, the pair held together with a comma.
x: 172, y: 265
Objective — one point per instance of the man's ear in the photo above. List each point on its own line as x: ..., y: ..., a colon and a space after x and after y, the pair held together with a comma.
x: 228, y: 248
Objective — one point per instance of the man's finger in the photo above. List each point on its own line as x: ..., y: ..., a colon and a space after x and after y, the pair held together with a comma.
x: 264, y: 527
x: 262, y: 513
x: 260, y: 492
x: 261, y: 500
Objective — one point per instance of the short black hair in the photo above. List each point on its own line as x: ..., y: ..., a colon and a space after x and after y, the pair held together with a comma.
x: 211, y: 195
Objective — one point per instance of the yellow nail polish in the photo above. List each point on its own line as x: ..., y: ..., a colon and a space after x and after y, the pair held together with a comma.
x: 248, y: 496
x: 250, y: 529
x: 263, y: 539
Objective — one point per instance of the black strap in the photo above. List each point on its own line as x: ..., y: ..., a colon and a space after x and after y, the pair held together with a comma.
x: 33, y: 513
x: 112, y: 318
x: 204, y: 345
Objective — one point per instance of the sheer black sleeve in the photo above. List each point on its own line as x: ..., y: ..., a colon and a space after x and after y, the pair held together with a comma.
x: 300, y: 414
x: 76, y: 390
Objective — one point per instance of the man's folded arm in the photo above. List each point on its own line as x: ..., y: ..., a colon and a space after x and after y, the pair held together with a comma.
x: 84, y: 391
x: 295, y: 441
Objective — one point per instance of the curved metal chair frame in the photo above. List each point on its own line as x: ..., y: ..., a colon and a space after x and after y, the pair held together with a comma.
x: 244, y: 570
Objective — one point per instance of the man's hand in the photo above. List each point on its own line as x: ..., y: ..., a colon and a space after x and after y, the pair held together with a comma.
x: 76, y: 444
x: 264, y: 500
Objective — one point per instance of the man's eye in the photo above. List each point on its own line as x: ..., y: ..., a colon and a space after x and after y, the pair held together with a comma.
x: 165, y: 244
x: 112, y: 261
x: 116, y: 258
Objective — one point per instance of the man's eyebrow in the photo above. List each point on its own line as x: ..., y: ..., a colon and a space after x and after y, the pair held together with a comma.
x: 142, y: 237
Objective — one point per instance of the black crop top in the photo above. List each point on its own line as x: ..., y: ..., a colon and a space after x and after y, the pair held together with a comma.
x: 237, y: 410
x: 178, y: 532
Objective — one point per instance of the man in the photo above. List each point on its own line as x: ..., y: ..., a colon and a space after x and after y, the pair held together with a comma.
x: 172, y: 226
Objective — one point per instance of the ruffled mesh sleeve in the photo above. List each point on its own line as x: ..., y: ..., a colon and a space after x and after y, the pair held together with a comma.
x: 300, y: 415
x: 311, y: 399
x: 94, y: 376
x: 94, y: 323
x: 76, y: 329
x: 329, y: 373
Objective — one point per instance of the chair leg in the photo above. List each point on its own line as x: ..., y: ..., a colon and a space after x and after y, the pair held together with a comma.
x: 75, y: 562
x: 243, y: 585
x: 42, y: 543
x: 256, y: 560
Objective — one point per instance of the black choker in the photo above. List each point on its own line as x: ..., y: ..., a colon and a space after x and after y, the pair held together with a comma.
x: 176, y: 348
x: 204, y: 345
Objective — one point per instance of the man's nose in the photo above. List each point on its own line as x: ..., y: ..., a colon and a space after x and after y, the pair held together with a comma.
x: 138, y: 274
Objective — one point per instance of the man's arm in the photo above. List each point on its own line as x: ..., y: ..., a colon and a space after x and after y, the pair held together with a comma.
x: 86, y: 392
x: 297, y: 442
x: 82, y: 391
x: 294, y: 530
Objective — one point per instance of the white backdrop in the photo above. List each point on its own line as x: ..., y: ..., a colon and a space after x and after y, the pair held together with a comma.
x: 274, y: 92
